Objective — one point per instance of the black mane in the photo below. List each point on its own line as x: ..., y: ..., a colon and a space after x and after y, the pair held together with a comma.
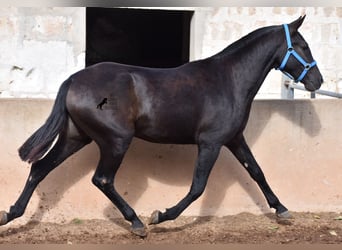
x: 247, y: 39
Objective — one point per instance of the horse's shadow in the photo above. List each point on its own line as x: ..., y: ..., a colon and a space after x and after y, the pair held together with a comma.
x: 174, y: 166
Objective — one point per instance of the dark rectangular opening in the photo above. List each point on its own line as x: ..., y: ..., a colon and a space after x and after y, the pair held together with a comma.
x: 143, y: 37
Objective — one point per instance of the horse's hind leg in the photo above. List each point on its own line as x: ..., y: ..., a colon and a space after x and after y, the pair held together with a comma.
x: 111, y: 155
x: 69, y: 141
x: 242, y: 152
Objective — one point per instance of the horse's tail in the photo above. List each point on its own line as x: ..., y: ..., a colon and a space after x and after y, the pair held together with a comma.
x: 39, y: 143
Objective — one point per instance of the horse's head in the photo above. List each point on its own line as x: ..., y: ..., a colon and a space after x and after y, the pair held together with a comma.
x: 296, y: 61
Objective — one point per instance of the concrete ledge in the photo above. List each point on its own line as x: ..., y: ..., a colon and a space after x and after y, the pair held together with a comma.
x: 297, y: 143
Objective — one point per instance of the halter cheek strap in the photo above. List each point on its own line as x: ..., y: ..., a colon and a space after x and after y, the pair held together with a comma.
x: 291, y: 51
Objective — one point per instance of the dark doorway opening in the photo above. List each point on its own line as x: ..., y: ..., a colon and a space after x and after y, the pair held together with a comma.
x: 143, y: 37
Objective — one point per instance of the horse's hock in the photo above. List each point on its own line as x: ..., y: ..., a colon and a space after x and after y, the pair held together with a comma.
x: 297, y: 143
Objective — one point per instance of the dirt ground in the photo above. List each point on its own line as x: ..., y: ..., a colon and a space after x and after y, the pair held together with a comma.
x: 241, y: 228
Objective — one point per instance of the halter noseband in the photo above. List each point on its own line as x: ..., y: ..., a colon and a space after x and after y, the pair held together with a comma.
x: 291, y: 51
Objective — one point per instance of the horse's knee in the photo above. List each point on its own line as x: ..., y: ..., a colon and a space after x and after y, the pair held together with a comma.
x: 101, y: 182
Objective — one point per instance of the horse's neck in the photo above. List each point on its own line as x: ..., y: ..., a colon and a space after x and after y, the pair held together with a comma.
x: 248, y: 66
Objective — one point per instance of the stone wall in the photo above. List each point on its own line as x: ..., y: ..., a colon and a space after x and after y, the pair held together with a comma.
x: 40, y: 47
x: 321, y: 29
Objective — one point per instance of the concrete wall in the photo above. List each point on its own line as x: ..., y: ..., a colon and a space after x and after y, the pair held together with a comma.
x: 40, y: 47
x: 297, y: 143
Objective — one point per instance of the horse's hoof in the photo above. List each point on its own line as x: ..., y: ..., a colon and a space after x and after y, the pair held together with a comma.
x: 154, y: 219
x: 285, y: 215
x: 284, y: 218
x: 3, y: 218
x: 141, y: 231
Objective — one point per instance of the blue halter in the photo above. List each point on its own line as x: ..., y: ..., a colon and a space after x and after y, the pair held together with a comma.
x: 291, y: 51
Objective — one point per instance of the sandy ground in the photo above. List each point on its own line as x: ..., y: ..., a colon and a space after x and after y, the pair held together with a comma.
x: 241, y: 228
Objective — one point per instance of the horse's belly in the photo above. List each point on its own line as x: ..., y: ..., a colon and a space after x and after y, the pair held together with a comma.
x: 166, y: 139
x: 173, y: 131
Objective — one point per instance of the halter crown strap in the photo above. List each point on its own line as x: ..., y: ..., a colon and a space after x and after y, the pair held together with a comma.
x: 291, y: 51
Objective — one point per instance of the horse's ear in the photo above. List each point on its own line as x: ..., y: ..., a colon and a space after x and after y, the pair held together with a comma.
x: 294, y: 26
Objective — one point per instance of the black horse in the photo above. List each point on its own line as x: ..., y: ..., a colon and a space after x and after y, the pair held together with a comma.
x: 205, y: 102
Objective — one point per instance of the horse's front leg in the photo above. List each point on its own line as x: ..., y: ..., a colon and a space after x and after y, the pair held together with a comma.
x: 242, y: 152
x: 207, y: 155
